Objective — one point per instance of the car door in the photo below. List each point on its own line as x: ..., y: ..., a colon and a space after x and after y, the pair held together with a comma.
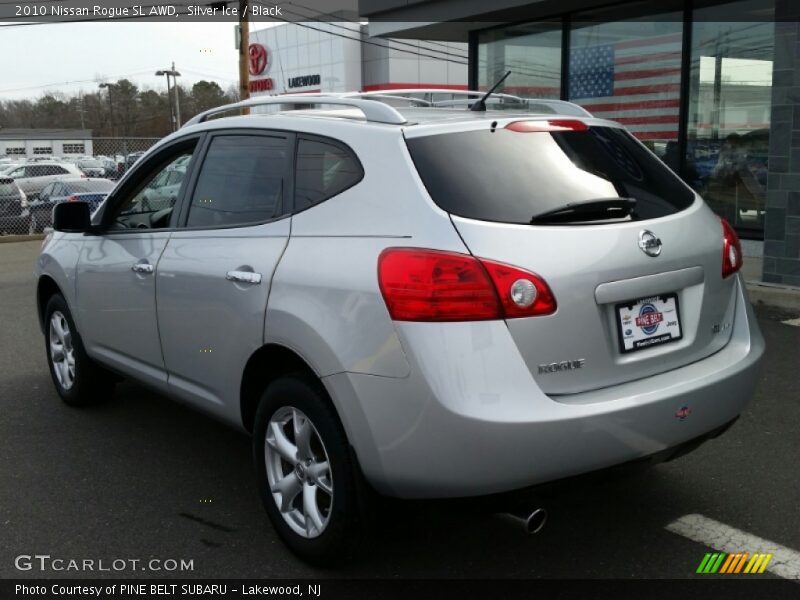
x: 214, y: 276
x: 116, y: 295
x: 42, y: 207
x: 37, y: 177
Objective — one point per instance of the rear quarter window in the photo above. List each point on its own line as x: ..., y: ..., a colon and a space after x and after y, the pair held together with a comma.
x: 324, y: 169
x: 509, y: 177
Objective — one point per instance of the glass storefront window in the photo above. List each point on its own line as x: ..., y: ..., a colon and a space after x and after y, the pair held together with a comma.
x: 630, y: 71
x: 531, y: 52
x: 729, y: 112
x: 625, y: 63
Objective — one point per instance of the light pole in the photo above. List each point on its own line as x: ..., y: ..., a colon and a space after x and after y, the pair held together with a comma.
x: 109, y: 86
x: 174, y: 117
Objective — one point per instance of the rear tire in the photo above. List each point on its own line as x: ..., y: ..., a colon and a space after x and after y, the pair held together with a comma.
x: 320, y: 512
x: 78, y: 379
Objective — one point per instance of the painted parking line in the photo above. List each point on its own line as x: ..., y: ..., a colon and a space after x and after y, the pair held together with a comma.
x: 784, y: 562
x: 793, y: 322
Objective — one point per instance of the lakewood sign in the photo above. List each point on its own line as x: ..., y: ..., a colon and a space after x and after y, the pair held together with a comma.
x: 304, y: 81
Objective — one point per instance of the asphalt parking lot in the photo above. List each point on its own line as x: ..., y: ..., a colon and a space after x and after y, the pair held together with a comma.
x: 143, y: 477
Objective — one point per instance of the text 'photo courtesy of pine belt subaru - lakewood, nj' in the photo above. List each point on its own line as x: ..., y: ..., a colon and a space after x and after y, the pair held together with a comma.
x: 407, y: 297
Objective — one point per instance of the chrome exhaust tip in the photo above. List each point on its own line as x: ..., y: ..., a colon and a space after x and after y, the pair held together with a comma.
x: 531, y: 522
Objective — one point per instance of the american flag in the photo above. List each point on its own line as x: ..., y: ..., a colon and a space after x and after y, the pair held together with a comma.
x: 635, y: 82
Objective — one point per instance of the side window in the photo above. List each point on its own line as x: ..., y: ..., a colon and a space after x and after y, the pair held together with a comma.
x: 47, y: 191
x: 55, y: 170
x: 241, y: 181
x: 150, y: 203
x: 323, y: 170
x: 20, y: 172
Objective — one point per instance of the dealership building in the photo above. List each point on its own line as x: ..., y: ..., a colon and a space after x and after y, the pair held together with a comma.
x: 340, y: 57
x: 42, y: 143
x: 712, y: 87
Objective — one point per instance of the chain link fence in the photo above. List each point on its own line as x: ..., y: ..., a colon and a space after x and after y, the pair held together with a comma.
x: 34, y: 178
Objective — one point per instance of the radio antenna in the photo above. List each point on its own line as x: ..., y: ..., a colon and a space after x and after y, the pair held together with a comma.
x: 480, y: 105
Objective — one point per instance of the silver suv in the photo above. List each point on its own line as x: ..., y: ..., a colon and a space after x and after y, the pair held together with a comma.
x: 424, y: 302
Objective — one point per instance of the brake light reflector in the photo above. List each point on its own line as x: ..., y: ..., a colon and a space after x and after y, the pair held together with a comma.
x: 732, y: 258
x: 522, y: 293
x: 432, y: 285
x: 549, y: 125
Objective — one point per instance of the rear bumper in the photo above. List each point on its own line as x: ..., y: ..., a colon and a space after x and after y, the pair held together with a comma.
x: 470, y: 420
x: 16, y: 223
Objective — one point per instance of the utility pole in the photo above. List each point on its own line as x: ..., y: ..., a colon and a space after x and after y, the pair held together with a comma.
x: 174, y: 111
x: 81, y: 111
x: 109, y: 87
x: 244, y: 51
x: 175, y: 74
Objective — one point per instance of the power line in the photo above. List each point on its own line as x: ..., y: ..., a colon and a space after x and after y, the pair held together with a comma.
x: 518, y: 70
x: 432, y: 42
x: 393, y: 40
x: 362, y: 41
x: 93, y: 80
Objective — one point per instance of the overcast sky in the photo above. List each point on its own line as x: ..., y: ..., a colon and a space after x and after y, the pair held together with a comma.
x: 41, y: 58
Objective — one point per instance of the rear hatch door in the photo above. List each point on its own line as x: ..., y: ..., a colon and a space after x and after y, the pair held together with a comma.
x: 637, y: 294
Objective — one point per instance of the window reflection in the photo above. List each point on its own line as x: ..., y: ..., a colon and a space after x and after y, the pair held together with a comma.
x: 629, y: 71
x: 729, y: 114
x: 532, y: 52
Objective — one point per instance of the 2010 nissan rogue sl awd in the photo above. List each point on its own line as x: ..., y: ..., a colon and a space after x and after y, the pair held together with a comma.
x: 426, y: 302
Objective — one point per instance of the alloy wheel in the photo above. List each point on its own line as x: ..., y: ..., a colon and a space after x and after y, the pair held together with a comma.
x: 298, y: 472
x: 62, y: 352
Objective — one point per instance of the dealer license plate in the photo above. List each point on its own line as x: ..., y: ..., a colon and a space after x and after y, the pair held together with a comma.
x: 648, y: 322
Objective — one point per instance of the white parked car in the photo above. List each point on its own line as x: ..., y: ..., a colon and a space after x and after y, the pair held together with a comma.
x: 32, y: 177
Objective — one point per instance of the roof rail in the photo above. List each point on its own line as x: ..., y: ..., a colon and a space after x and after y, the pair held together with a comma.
x: 374, y: 111
x: 389, y: 95
x: 561, y: 106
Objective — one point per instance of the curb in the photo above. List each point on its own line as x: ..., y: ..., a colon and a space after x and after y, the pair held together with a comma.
x: 21, y: 238
x: 778, y: 296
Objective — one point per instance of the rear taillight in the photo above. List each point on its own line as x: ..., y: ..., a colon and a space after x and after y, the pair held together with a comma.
x: 431, y: 285
x: 73, y: 198
x: 732, y: 258
x: 522, y: 293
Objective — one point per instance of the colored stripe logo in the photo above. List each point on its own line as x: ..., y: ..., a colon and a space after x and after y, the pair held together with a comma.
x: 738, y: 562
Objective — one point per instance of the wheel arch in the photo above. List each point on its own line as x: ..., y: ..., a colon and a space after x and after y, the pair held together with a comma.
x: 264, y: 366
x: 46, y: 288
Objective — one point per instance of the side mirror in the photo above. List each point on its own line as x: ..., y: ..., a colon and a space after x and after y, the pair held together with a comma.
x: 72, y: 217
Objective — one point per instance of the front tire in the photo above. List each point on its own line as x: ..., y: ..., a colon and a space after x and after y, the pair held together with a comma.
x: 307, y: 476
x: 78, y: 379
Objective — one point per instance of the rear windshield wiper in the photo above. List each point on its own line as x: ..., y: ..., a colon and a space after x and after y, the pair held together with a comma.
x: 587, y: 210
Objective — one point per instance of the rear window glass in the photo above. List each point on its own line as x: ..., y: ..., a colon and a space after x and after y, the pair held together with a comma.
x: 90, y: 163
x: 509, y: 177
x: 83, y: 187
x: 240, y: 182
x: 8, y: 188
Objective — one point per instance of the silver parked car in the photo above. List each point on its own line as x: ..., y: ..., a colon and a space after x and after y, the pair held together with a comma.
x: 32, y: 177
x: 424, y: 302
